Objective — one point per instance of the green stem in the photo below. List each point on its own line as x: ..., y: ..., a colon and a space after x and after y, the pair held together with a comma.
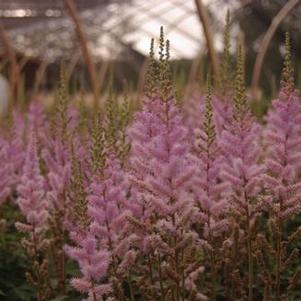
x: 160, y: 278
x: 278, y: 260
x: 94, y: 295
x: 212, y: 262
x: 249, y: 249
x: 130, y: 287
x: 39, y: 288
x: 151, y: 275
x: 183, y: 276
x: 250, y: 262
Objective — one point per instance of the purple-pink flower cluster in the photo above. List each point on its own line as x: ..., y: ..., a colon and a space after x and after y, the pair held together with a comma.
x: 197, y: 208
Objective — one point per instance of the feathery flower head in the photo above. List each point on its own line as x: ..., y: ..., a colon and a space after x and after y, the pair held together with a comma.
x: 210, y: 192
x: 106, y: 203
x: 32, y: 195
x: 93, y: 262
x: 283, y: 143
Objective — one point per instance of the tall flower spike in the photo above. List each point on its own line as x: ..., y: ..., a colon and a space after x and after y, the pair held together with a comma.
x: 62, y: 106
x: 108, y: 215
x: 210, y: 194
x: 32, y: 199
x: 208, y: 124
x: 97, y: 150
x: 282, y: 180
x: 242, y: 170
x: 34, y: 207
x: 78, y: 194
x: 226, y: 61
x: 240, y: 99
x: 287, y: 81
x: 151, y: 77
x: 161, y: 175
x: 165, y: 76
x: 161, y: 45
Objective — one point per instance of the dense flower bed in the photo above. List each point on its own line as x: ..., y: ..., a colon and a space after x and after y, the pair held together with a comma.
x: 155, y: 206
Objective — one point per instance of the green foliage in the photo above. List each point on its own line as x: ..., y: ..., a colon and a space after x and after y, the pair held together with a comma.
x: 13, y: 262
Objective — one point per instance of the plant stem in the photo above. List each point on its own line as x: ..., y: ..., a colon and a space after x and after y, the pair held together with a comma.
x: 183, y: 276
x: 213, y: 277
x: 234, y: 256
x: 160, y: 278
x: 278, y: 257
x: 94, y: 295
x: 250, y: 259
x: 151, y: 275
x: 39, y: 288
x: 130, y: 287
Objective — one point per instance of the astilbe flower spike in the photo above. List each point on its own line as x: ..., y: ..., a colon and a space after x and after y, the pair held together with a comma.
x: 108, y: 214
x: 211, y: 193
x: 240, y: 145
x: 145, y: 127
x: 283, y: 160
x: 34, y: 207
x: 92, y: 258
x: 93, y: 262
x: 31, y: 190
x: 98, y: 221
x: 163, y: 182
x: 56, y: 155
x: 180, y: 202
